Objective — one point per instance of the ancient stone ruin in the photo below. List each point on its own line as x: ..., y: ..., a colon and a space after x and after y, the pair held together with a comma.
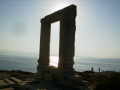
x: 65, y: 71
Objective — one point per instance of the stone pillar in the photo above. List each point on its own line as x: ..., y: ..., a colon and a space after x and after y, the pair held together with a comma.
x: 44, y: 47
x: 67, y: 39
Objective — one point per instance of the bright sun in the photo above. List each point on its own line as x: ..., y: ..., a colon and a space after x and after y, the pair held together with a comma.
x: 60, y: 6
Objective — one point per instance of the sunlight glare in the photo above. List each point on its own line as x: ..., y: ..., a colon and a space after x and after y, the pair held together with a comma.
x: 54, y: 61
x: 60, y: 6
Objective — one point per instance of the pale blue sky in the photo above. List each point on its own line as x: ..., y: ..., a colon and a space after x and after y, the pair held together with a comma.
x: 97, y: 26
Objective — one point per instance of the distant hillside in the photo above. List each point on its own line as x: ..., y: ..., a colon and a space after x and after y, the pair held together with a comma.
x: 18, y: 53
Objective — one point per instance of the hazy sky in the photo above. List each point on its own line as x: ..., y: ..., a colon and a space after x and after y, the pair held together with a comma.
x: 97, y: 26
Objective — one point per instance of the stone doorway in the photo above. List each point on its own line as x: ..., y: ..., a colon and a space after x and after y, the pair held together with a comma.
x: 54, y: 43
x: 66, y: 16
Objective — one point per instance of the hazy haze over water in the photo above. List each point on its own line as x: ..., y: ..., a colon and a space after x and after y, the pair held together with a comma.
x: 81, y: 63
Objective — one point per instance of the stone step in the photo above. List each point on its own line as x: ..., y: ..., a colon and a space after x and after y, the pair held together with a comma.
x: 26, y: 86
x: 3, y: 84
x: 10, y: 83
x: 7, y: 89
x: 15, y: 80
x: 85, y: 82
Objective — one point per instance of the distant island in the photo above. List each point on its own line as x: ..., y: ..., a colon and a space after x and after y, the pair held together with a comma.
x: 18, y: 53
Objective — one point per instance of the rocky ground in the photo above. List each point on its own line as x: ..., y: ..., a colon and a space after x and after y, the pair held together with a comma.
x: 107, y: 80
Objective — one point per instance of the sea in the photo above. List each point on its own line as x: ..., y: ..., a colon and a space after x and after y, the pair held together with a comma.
x: 29, y: 64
